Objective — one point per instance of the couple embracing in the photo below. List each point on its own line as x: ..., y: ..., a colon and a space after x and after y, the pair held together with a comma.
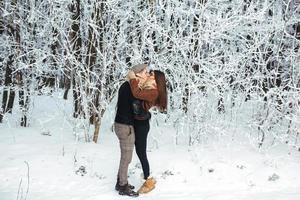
x: 142, y: 91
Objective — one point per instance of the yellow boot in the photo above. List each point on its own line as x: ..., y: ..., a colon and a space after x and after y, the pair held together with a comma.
x: 148, y: 186
x: 152, y: 180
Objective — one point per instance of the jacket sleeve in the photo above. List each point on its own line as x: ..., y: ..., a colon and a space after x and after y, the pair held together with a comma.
x: 146, y: 94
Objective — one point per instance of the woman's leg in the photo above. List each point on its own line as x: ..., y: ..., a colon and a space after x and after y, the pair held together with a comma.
x: 141, y: 130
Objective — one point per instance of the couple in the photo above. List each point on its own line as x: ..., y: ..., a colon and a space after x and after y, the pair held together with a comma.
x: 132, y: 127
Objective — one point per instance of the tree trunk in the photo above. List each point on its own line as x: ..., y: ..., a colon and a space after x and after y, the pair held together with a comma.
x: 95, y: 108
x: 76, y: 47
x: 8, y: 93
x: 78, y: 110
x: 185, y: 97
x: 23, y: 98
x: 97, y: 123
x: 9, y: 27
x: 67, y: 83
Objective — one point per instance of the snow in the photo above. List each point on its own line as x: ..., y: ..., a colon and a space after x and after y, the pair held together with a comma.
x: 62, y: 166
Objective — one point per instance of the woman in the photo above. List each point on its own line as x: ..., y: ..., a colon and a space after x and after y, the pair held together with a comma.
x: 153, y: 92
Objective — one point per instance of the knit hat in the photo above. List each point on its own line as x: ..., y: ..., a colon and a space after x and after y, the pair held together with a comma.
x: 138, y: 68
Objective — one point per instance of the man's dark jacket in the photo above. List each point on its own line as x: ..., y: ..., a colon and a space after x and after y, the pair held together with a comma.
x: 124, y: 113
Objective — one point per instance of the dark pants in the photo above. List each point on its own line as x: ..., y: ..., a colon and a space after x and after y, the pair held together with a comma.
x: 141, y: 129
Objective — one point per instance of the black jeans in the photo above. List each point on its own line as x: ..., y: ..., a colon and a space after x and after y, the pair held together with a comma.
x: 141, y: 129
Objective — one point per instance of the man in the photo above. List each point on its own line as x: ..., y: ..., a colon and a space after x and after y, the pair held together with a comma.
x: 125, y: 132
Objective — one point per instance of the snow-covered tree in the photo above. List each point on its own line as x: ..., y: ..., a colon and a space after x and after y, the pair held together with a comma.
x: 226, y: 54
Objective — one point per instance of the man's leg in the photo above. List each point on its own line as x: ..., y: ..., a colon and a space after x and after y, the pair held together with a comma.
x: 126, y: 136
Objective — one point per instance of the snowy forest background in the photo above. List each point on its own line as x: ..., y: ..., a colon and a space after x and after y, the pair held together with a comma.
x: 229, y: 63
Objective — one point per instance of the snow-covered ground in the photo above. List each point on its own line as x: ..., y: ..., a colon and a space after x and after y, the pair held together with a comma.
x: 46, y: 162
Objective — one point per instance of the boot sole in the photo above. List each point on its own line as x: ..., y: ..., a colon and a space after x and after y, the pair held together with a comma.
x: 147, y: 191
x: 123, y: 194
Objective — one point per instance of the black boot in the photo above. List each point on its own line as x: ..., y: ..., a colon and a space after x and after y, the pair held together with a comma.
x: 125, y: 190
x: 117, y: 187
